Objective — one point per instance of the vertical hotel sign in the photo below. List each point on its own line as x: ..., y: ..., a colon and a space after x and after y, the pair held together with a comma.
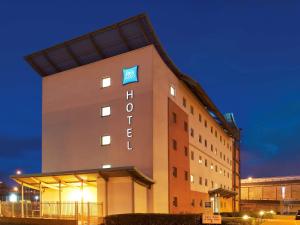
x: 130, y: 75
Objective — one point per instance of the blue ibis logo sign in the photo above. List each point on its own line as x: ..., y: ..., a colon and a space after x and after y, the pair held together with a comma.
x: 130, y: 75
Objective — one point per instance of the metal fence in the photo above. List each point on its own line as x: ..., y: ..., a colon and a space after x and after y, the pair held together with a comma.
x: 84, y: 213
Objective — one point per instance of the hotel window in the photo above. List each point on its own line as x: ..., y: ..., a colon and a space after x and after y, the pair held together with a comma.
x: 206, y: 182
x: 174, y: 172
x: 221, y: 138
x: 105, y: 82
x: 205, y: 162
x: 201, y: 203
x: 105, y: 140
x: 174, y: 144
x: 216, y: 134
x: 200, y: 117
x: 192, y: 178
x: 205, y: 123
x: 211, y: 129
x: 200, y: 180
x: 175, y: 203
x: 200, y: 139
x: 221, y: 155
x: 192, y: 155
x: 200, y: 160
x: 216, y: 168
x: 172, y: 91
x: 212, y: 184
x: 186, y: 152
x: 205, y: 143
x: 184, y: 102
x: 193, y: 202
x: 211, y: 147
x: 186, y: 175
x: 105, y: 111
x: 185, y: 126
x: 211, y: 166
x: 174, y: 117
x: 192, y: 132
x: 106, y: 166
x: 192, y: 110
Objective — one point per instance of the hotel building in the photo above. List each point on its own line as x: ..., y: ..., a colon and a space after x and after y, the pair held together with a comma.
x: 124, y: 127
x: 280, y: 194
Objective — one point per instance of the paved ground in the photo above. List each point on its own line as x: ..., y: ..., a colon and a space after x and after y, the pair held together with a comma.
x: 282, y: 222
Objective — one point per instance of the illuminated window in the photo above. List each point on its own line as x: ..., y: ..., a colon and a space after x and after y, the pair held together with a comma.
x: 211, y: 166
x: 106, y: 166
x: 105, y: 111
x: 172, y: 91
x: 192, y: 178
x: 200, y: 160
x: 105, y: 140
x: 106, y: 82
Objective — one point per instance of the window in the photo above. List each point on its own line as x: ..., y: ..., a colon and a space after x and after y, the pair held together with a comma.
x: 211, y: 166
x: 200, y: 117
x: 212, y: 130
x: 205, y: 162
x: 211, y: 147
x: 174, y: 172
x: 186, y: 175
x: 174, y: 144
x: 192, y: 110
x: 174, y: 117
x: 105, y: 140
x: 186, y: 152
x: 184, y: 102
x: 192, y: 178
x: 206, y: 182
x: 200, y: 180
x: 200, y: 160
x: 212, y: 184
x: 205, y: 143
x: 200, y: 138
x: 175, y: 203
x: 192, y: 132
x: 201, y: 203
x: 185, y: 126
x: 216, y: 168
x: 216, y: 134
x: 193, y: 202
x: 192, y: 155
x: 105, y: 82
x: 105, y: 111
x: 172, y: 91
x: 205, y: 123
x: 106, y: 166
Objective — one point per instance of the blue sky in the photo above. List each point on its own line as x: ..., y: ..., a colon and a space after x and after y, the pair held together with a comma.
x: 246, y: 55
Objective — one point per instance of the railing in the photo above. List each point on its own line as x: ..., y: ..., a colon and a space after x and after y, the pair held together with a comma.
x: 84, y: 213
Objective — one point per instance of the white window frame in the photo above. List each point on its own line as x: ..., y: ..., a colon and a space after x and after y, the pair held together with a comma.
x: 102, y: 140
x: 103, y: 85
x: 102, y: 111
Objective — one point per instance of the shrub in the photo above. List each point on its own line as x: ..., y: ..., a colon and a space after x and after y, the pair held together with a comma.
x: 168, y: 219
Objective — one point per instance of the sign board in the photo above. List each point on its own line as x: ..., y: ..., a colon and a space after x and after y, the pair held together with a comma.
x: 211, y: 219
x: 130, y: 75
x: 207, y: 204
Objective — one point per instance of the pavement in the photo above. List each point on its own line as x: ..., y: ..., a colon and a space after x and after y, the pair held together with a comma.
x: 281, y: 222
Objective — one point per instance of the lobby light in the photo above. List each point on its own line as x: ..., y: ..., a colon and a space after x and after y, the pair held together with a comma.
x: 246, y: 217
x: 13, y: 197
x: 261, y: 213
x: 16, y: 189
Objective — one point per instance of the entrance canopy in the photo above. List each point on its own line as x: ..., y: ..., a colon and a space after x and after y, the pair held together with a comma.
x: 221, y: 192
x: 56, y: 180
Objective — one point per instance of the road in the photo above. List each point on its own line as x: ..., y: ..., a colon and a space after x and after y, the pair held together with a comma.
x: 282, y: 222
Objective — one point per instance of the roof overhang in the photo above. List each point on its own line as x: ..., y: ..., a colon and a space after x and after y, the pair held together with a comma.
x: 75, y: 178
x: 127, y: 35
x: 222, y: 193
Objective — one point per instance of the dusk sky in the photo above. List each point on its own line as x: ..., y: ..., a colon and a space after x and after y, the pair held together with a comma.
x: 245, y: 54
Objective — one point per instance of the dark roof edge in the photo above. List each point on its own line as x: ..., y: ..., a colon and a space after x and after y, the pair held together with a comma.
x: 194, y: 86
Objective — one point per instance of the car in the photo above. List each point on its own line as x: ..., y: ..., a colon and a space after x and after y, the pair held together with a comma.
x: 298, y: 215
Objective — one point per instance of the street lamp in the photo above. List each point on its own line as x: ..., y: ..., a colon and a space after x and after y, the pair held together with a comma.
x: 15, y: 189
x: 18, y: 172
x: 246, y: 217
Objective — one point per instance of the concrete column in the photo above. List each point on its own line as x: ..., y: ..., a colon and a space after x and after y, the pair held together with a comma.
x: 41, y: 199
x: 22, y: 200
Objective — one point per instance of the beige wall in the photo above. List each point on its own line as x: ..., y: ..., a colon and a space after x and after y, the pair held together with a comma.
x: 140, y: 198
x: 72, y: 124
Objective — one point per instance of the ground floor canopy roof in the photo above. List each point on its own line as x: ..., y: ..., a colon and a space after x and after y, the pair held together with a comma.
x: 54, y: 180
x: 222, y: 193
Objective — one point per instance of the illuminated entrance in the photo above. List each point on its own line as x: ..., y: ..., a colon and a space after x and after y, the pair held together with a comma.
x: 84, y: 194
